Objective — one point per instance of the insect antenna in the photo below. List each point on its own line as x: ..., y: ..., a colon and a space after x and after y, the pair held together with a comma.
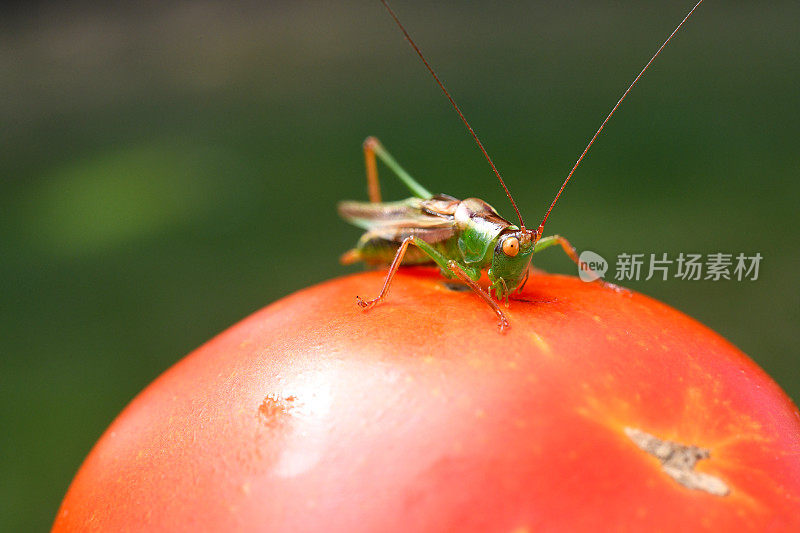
x: 540, y: 230
x: 458, y: 110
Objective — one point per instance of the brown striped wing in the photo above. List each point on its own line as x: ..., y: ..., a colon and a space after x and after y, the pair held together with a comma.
x: 394, y: 221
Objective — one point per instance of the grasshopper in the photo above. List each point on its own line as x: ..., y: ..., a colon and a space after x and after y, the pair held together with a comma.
x: 462, y: 237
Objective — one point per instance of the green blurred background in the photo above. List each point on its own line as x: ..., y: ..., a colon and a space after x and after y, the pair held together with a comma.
x: 168, y: 168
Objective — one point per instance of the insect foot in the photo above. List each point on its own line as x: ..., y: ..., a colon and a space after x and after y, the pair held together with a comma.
x: 503, y: 324
x: 366, y: 304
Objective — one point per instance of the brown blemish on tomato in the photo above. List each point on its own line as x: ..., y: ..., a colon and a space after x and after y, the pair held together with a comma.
x: 678, y: 461
x: 273, y: 410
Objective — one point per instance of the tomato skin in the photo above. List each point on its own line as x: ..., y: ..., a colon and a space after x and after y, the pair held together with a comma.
x: 312, y: 415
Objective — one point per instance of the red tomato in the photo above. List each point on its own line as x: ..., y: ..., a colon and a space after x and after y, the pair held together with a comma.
x: 598, y: 410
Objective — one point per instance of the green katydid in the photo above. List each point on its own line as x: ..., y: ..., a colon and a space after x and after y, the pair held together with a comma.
x: 462, y: 237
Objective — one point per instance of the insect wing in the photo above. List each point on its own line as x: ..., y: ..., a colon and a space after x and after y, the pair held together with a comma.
x: 405, y: 213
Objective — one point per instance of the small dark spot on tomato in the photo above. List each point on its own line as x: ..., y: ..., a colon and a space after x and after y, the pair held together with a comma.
x: 533, y: 301
x: 456, y: 286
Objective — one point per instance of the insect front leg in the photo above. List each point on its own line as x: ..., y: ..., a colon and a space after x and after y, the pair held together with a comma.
x: 465, y: 274
x: 372, y: 148
x: 398, y: 259
x: 547, y: 242
x: 454, y: 267
x: 430, y: 251
x: 524, y: 280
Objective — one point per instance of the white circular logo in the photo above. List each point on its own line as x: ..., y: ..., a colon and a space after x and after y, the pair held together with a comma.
x: 592, y: 266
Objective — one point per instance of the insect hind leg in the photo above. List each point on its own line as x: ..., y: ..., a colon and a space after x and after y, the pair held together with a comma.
x: 373, y: 185
x: 373, y: 147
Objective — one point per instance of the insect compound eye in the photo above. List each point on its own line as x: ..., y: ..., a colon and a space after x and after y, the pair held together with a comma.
x: 511, y: 246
